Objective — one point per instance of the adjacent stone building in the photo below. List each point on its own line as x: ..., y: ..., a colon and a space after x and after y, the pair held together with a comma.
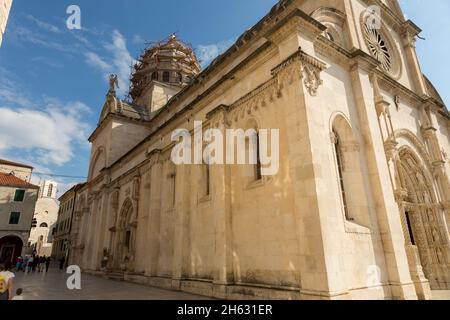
x: 360, y: 207
x: 17, y: 203
x: 5, y: 7
x: 64, y: 231
x: 44, y: 220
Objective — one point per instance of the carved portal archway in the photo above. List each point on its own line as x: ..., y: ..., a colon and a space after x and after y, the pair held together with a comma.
x: 422, y: 218
x: 125, y: 235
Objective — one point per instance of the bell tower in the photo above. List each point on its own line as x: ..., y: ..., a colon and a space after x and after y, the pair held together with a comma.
x: 161, y: 72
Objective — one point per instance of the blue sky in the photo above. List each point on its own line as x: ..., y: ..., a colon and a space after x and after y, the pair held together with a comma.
x: 53, y: 80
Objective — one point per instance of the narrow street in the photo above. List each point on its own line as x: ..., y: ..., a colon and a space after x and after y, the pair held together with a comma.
x: 52, y: 286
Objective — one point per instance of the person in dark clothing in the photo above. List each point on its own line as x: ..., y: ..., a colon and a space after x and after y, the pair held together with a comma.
x: 35, y: 262
x: 61, y: 263
x: 47, y: 263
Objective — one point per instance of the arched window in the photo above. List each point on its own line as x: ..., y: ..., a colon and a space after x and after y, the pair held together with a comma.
x: 155, y: 75
x: 50, y: 190
x: 340, y: 167
x: 350, y: 179
x: 206, y: 179
x: 257, y: 167
x: 43, y: 225
x: 166, y: 76
x: 252, y: 152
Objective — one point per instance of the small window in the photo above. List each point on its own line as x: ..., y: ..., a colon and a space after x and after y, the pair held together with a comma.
x: 166, y: 76
x: 14, y: 218
x: 410, y: 230
x: 43, y: 225
x: 340, y: 167
x: 50, y: 190
x: 207, y: 179
x: 155, y: 75
x: 127, y: 239
x: 258, y: 174
x: 19, y: 196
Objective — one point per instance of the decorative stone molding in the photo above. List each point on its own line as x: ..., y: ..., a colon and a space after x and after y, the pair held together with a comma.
x: 153, y: 156
x: 218, y: 116
x: 408, y: 135
x: 115, y: 199
x: 334, y: 20
x: 310, y: 68
x: 312, y: 79
x: 390, y: 147
x: 136, y: 188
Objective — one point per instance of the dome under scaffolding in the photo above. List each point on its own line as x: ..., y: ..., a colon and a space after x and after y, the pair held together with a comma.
x: 170, y: 61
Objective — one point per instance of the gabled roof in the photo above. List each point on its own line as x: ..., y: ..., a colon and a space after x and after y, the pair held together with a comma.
x: 15, y: 164
x: 9, y: 180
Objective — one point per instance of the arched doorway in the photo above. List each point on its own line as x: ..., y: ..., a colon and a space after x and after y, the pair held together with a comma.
x: 125, y: 234
x: 422, y: 219
x: 10, y: 248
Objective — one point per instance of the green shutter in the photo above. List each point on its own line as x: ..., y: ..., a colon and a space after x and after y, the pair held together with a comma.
x: 19, y: 196
x: 14, y: 218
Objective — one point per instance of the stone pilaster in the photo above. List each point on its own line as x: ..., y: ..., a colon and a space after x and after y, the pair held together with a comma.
x: 221, y: 207
x: 181, y: 253
x: 388, y: 214
x: 154, y: 220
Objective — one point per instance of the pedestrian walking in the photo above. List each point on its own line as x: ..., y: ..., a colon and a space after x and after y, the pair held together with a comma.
x: 6, y: 281
x: 30, y: 264
x: 61, y: 263
x: 47, y: 263
x: 25, y: 263
x: 19, y: 263
x: 35, y: 263
x: 41, y: 264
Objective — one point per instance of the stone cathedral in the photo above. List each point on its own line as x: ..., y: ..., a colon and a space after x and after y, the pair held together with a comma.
x: 360, y: 207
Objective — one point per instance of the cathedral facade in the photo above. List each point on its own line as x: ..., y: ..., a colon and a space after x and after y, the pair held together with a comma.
x: 360, y: 206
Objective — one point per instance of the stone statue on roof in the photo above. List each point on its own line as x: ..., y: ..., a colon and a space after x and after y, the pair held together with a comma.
x: 113, y: 83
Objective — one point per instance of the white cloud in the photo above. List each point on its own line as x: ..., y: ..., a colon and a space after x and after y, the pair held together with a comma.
x: 44, y: 25
x: 10, y: 91
x: 118, y: 61
x: 207, y: 53
x: 45, y: 128
x: 96, y: 61
x: 138, y: 40
x: 51, y: 134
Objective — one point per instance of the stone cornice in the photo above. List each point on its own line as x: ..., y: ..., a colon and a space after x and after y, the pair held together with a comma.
x: 296, y: 20
x: 301, y: 56
x: 113, y: 116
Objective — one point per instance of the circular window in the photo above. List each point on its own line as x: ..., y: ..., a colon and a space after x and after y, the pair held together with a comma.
x: 381, y: 48
x: 378, y: 48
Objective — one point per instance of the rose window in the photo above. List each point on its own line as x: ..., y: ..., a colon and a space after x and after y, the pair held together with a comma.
x: 378, y: 47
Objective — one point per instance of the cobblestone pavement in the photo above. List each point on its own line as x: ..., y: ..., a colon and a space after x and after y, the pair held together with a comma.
x: 52, y: 286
